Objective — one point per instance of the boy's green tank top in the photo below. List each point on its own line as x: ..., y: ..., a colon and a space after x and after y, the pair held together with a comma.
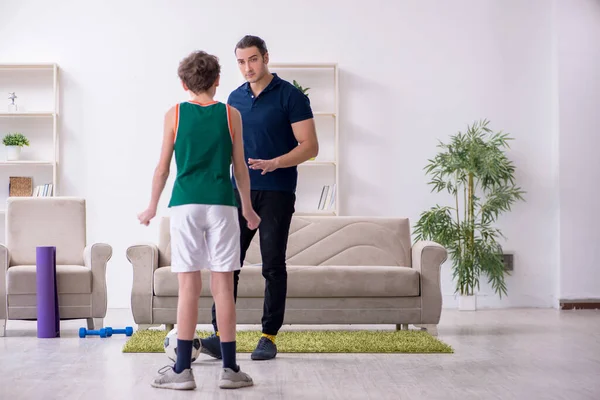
x: 203, y: 151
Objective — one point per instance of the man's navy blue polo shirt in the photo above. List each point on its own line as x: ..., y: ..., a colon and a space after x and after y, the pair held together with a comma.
x: 267, y: 130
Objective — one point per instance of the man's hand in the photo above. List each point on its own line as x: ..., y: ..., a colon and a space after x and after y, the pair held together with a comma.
x: 265, y: 165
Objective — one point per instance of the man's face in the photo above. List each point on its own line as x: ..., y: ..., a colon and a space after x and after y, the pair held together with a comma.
x: 252, y: 65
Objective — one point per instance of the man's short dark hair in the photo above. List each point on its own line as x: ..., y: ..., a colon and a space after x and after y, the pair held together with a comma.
x: 252, y: 41
x: 199, y: 71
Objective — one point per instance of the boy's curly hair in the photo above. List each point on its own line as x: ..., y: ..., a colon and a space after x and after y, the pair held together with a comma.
x: 199, y: 71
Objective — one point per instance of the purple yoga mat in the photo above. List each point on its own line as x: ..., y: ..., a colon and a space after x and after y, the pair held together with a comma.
x: 48, y: 320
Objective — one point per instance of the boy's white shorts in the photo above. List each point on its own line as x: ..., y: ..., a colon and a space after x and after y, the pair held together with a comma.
x: 205, y: 236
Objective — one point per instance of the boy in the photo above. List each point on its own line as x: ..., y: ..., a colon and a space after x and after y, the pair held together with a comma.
x: 205, y: 135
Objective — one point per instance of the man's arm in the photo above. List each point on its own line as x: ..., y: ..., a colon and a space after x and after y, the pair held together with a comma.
x: 303, y: 126
x: 308, y: 145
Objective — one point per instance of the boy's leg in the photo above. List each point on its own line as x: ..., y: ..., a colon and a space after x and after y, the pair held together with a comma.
x: 246, y: 236
x: 210, y: 345
x: 181, y: 376
x: 188, y: 255
x: 190, y: 286
x: 276, y: 217
x: 222, y: 239
x: 221, y: 286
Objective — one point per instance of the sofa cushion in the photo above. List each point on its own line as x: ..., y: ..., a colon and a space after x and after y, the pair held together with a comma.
x: 313, y: 281
x: 71, y: 279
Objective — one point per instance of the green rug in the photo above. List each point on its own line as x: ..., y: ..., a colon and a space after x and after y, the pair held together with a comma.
x: 151, y: 341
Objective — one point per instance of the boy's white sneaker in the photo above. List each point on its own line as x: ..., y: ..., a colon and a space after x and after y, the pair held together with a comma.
x: 234, y: 380
x: 169, y: 379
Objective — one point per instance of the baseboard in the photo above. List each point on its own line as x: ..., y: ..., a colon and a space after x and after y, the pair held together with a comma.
x: 579, y: 304
x: 493, y: 301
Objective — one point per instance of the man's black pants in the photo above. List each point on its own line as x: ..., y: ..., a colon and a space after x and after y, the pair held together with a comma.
x: 275, y: 210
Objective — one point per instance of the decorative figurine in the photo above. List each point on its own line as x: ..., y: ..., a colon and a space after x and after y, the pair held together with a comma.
x: 12, y: 107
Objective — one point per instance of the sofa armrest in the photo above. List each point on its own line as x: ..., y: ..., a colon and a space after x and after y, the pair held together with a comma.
x: 144, y: 260
x: 4, y: 260
x: 427, y: 258
x: 96, y: 257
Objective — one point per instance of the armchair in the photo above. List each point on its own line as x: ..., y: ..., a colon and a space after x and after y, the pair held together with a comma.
x: 80, y: 268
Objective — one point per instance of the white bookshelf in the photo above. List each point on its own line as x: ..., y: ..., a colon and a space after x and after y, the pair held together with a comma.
x: 323, y: 81
x: 37, y: 88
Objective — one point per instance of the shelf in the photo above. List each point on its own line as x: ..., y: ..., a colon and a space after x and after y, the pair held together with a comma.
x: 26, y: 162
x: 323, y: 77
x: 303, y: 65
x: 315, y: 213
x: 36, y: 66
x: 25, y: 114
x: 318, y: 164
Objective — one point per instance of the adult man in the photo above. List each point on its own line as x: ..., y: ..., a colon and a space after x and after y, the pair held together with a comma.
x: 279, y: 133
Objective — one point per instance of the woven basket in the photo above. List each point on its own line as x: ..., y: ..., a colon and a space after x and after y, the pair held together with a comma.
x: 20, y: 186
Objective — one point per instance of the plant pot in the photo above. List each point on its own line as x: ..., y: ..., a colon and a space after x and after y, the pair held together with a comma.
x: 467, y: 303
x: 13, y: 153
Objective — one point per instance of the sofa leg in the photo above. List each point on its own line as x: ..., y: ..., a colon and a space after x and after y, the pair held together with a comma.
x: 2, y: 327
x: 144, y: 327
x: 430, y: 328
x: 169, y: 327
x: 95, y: 323
x: 401, y: 327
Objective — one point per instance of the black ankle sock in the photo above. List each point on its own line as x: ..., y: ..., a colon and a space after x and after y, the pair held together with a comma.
x: 184, y: 355
x: 228, y: 353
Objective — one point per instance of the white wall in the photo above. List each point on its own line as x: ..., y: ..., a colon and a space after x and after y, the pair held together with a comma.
x: 578, y: 34
x: 412, y: 72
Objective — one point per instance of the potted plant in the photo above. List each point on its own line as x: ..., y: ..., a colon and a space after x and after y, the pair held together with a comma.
x: 304, y: 92
x: 13, y: 143
x: 475, y: 170
x: 300, y: 88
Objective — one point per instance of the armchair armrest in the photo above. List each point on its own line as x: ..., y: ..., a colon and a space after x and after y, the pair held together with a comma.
x: 144, y: 260
x: 96, y: 257
x: 427, y: 258
x: 4, y: 260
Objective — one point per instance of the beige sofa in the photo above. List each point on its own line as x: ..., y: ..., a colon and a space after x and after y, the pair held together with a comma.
x: 341, y: 270
x: 80, y: 268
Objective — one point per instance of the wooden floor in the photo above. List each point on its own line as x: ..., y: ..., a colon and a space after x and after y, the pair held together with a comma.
x: 505, y: 354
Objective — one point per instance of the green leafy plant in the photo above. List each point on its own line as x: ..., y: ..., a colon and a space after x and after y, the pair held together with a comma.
x: 475, y: 170
x: 303, y: 90
x: 15, y: 139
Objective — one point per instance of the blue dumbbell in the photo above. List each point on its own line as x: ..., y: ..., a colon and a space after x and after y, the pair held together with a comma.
x: 128, y: 331
x: 85, y: 332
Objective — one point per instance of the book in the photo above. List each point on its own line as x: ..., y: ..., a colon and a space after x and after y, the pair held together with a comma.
x: 43, y: 190
x: 331, y: 201
x: 323, y: 199
x: 328, y: 198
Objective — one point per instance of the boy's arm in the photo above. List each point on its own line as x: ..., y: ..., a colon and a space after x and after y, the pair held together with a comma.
x: 161, y: 172
x: 240, y: 170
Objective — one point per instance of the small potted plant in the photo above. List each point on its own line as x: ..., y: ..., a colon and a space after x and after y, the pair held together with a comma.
x: 13, y: 143
x: 304, y: 92
x: 300, y: 88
